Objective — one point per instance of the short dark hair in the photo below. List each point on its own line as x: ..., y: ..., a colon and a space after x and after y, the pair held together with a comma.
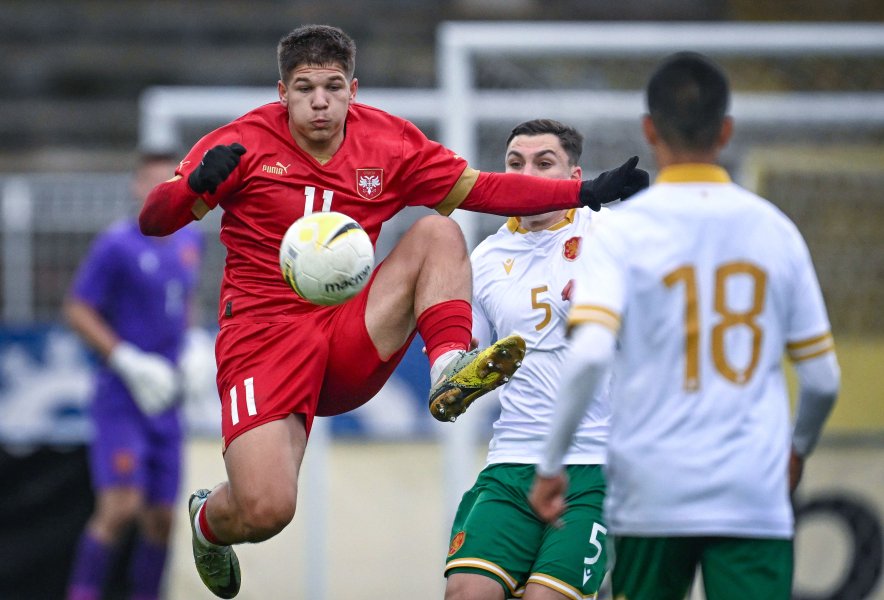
x: 570, y: 138
x: 321, y: 45
x: 688, y: 98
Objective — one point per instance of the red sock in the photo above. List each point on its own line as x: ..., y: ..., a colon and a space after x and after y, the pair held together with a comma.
x: 204, y: 526
x: 446, y: 326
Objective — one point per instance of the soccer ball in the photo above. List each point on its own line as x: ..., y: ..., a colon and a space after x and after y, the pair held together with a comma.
x: 326, y: 258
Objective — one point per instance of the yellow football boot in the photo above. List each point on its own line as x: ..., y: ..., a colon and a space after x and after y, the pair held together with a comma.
x: 474, y: 374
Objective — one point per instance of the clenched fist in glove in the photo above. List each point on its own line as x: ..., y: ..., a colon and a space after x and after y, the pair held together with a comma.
x: 151, y: 378
x: 616, y: 184
x: 217, y: 164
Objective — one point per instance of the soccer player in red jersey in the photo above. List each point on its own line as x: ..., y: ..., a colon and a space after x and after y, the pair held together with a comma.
x: 281, y: 360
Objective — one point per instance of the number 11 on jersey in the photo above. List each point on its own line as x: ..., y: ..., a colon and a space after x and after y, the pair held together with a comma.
x: 310, y: 194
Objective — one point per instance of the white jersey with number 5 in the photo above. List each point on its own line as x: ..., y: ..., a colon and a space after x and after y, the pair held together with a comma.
x: 518, y: 281
x: 708, y: 285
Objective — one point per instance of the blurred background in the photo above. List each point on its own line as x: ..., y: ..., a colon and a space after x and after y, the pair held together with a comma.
x: 86, y: 84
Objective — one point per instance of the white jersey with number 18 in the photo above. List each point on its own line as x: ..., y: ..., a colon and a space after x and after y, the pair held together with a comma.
x: 708, y: 285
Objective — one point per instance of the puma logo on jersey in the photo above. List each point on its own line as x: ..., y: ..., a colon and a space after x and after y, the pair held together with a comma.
x: 508, y: 265
x: 277, y: 169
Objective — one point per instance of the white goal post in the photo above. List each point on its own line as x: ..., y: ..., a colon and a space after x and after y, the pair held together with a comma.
x: 457, y: 107
x: 459, y: 44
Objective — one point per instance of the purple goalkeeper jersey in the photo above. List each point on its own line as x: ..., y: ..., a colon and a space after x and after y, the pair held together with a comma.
x: 142, y: 286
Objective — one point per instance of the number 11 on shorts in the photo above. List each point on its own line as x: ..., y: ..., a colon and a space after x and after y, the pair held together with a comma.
x: 249, y: 385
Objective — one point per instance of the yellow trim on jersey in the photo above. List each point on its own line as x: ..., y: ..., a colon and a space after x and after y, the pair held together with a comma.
x: 478, y: 563
x: 199, y: 209
x: 590, y: 313
x: 559, y: 586
x: 459, y: 191
x: 811, y: 347
x: 514, y: 224
x: 693, y: 173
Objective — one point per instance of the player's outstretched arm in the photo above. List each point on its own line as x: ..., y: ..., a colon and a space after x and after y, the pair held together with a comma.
x: 173, y: 204
x: 514, y: 194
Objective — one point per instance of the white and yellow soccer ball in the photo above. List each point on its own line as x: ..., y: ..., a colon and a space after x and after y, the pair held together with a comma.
x: 326, y: 258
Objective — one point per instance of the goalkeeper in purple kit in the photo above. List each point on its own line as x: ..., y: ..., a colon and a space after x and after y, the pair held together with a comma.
x: 130, y: 302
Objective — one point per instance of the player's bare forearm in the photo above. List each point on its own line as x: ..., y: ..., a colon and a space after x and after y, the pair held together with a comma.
x: 547, y: 496
x: 796, y: 469
x: 90, y: 326
x: 168, y: 208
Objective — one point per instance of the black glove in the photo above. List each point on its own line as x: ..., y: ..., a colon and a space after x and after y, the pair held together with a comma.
x: 616, y: 184
x: 217, y: 164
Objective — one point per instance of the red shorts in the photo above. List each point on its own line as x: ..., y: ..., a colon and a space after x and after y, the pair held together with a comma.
x: 319, y: 363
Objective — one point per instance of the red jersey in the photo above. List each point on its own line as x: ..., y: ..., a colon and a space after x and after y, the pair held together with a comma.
x: 384, y: 164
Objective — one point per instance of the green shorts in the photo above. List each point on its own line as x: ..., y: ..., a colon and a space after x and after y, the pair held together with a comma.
x: 496, y: 534
x: 663, y: 568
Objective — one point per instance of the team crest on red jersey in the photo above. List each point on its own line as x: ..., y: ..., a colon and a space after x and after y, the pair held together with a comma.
x: 369, y: 183
x: 571, y: 248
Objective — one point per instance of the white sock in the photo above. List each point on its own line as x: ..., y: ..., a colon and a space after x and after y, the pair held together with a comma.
x: 198, y: 529
x: 443, y: 361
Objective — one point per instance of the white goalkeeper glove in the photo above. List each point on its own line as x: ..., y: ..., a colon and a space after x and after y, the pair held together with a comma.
x: 150, y: 378
x: 197, y: 365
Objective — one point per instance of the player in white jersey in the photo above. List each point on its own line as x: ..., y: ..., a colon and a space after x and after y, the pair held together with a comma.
x: 522, y: 280
x: 703, y: 285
